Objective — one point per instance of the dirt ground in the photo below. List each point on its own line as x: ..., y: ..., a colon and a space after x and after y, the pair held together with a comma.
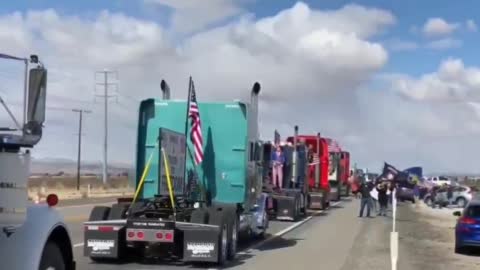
x: 427, y: 239
x: 66, y: 187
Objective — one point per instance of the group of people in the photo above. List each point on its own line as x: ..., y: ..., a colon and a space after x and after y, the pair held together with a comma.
x: 384, y: 190
x: 435, y: 198
x: 281, y: 164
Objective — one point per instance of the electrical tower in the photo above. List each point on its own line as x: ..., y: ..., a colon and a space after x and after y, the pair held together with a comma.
x: 81, y: 112
x: 107, y: 85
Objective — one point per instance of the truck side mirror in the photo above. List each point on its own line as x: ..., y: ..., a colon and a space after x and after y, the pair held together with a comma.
x: 37, y: 95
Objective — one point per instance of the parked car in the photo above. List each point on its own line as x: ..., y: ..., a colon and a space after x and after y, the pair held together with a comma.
x: 439, y: 180
x: 405, y: 194
x: 461, y: 196
x: 467, y: 229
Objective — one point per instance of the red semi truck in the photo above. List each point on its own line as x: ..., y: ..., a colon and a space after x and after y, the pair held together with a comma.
x: 344, y: 173
x: 318, y: 184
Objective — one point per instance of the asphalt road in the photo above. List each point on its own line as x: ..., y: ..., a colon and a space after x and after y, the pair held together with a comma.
x: 75, y: 213
x: 335, y: 239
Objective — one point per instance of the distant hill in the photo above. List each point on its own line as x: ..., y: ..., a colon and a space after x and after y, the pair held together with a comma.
x: 55, y: 165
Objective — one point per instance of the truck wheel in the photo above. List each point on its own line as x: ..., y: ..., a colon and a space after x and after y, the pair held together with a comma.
x: 219, y: 218
x: 52, y: 258
x: 99, y: 213
x: 232, y: 237
x: 265, y: 218
x: 118, y: 211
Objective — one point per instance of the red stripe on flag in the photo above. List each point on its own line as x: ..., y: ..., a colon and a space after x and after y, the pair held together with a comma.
x: 196, y: 131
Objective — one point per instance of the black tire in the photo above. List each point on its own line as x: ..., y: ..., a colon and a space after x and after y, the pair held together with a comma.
x: 460, y: 249
x: 99, y: 213
x: 298, y: 210
x: 52, y: 258
x: 218, y: 217
x: 233, y: 223
x: 461, y: 202
x: 118, y: 211
x: 266, y: 224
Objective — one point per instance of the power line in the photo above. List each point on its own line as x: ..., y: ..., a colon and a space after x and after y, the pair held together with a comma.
x: 80, y: 111
x: 106, y: 95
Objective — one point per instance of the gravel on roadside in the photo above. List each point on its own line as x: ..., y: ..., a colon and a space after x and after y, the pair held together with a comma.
x: 427, y: 240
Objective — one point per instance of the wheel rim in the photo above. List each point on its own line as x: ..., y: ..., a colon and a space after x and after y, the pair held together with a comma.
x: 234, y: 238
x: 265, y: 220
x: 50, y: 268
x: 461, y: 202
x: 224, y: 242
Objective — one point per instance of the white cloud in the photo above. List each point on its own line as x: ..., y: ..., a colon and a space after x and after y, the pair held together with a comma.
x: 301, y: 56
x: 192, y: 15
x: 451, y: 82
x: 311, y: 64
x: 471, y: 25
x: 438, y: 27
x: 443, y: 44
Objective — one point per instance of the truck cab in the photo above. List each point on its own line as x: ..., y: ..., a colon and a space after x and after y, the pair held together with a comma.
x: 334, y: 175
x: 32, y: 236
x: 345, y: 173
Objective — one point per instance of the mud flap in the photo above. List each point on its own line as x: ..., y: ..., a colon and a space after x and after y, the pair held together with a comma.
x: 288, y: 205
x: 317, y: 200
x: 100, y: 243
x: 200, y: 244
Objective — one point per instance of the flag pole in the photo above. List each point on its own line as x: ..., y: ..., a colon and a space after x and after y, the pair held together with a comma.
x: 192, y: 158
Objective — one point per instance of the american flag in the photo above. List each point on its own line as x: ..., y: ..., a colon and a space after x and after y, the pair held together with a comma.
x: 333, y: 146
x: 276, y: 138
x: 196, y: 130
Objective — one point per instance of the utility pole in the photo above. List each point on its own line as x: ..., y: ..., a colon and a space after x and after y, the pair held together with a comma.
x: 106, y: 84
x: 80, y: 111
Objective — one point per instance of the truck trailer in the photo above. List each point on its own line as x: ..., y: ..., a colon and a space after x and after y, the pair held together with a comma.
x: 181, y: 210
x: 32, y: 236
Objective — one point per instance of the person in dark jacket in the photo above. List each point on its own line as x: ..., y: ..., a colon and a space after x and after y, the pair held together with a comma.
x: 382, y: 198
x: 450, y: 194
x: 365, y: 200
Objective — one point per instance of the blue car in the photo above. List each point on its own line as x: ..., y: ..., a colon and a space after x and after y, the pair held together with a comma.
x: 467, y: 230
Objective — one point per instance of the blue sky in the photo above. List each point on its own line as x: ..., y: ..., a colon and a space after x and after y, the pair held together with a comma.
x: 409, y: 13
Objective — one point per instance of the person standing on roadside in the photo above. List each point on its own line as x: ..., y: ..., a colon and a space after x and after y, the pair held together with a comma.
x: 450, y: 194
x: 365, y: 198
x: 382, y: 198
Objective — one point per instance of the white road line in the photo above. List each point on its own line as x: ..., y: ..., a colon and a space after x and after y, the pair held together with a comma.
x: 272, y: 237
x: 286, y: 230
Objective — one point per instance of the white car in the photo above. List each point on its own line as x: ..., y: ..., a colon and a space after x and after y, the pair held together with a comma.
x: 439, y: 180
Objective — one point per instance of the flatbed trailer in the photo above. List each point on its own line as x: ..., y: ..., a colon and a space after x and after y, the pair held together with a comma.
x: 180, y: 210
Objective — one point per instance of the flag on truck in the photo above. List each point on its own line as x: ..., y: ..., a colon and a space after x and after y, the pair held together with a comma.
x: 196, y: 129
x: 333, y: 145
x: 276, y: 138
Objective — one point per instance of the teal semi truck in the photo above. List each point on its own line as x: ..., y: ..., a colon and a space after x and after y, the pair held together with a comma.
x: 181, y: 210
